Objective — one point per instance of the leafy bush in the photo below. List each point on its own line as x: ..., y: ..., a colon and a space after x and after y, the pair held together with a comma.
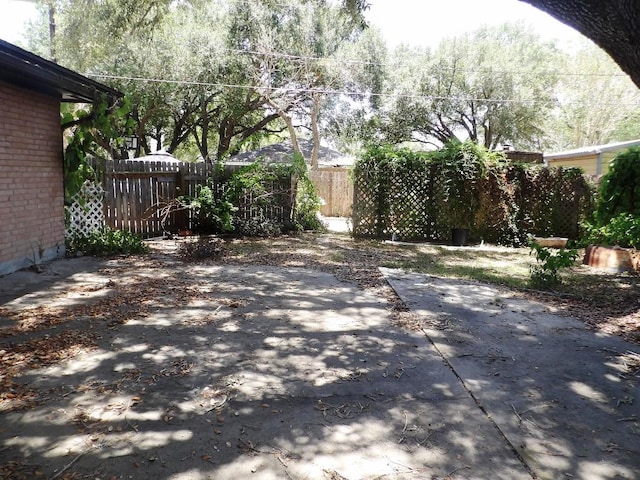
x: 307, y: 204
x: 622, y: 230
x: 106, y: 241
x: 263, y: 186
x: 211, y: 215
x: 545, y: 273
x: 620, y: 188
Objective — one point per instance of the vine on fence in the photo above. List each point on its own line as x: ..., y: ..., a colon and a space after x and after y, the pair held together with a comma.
x: 91, y: 132
x: 424, y: 195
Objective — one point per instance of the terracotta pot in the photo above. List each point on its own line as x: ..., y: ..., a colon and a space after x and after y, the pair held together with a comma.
x: 610, y: 259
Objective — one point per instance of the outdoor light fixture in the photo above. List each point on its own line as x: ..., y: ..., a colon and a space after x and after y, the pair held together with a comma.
x: 131, y: 142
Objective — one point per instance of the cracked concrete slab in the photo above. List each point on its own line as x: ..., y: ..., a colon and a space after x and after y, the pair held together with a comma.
x: 239, y: 372
x: 559, y: 392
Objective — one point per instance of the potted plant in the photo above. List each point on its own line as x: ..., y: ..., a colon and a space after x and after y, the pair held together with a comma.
x: 613, y: 236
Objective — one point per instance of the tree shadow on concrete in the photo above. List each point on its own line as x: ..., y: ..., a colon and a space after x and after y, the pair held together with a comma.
x: 560, y: 393
x: 203, y: 371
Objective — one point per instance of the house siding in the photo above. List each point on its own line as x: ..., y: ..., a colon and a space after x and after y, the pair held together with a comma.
x: 588, y: 163
x: 31, y: 187
x: 593, y: 160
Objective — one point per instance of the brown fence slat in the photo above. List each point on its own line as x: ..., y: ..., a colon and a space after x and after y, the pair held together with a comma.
x: 135, y: 191
x: 335, y: 188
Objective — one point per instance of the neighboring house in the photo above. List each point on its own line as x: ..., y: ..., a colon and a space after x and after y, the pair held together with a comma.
x: 31, y: 186
x: 331, y: 179
x: 593, y: 160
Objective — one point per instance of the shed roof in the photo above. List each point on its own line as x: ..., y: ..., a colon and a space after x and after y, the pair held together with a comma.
x: 591, y: 150
x: 25, y: 69
x: 282, y: 153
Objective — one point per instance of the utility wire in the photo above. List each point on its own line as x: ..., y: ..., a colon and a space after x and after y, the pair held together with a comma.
x: 347, y: 93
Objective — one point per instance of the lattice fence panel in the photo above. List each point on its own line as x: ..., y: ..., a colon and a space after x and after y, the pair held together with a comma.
x: 370, y: 209
x: 411, y: 200
x: 86, y: 212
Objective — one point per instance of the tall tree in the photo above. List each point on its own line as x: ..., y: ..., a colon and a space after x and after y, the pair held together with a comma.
x: 492, y: 86
x: 290, y: 44
x: 614, y: 25
x: 360, y: 73
x: 597, y: 102
x: 207, y: 74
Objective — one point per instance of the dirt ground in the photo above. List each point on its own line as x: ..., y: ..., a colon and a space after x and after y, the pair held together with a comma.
x: 100, y: 359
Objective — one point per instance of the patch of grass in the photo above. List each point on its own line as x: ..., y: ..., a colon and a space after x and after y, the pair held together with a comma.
x: 508, y: 267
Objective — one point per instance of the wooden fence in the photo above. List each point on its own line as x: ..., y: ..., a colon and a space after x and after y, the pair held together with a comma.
x: 136, y: 192
x: 335, y: 188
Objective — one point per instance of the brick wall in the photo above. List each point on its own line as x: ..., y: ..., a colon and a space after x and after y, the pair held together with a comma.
x: 31, y: 184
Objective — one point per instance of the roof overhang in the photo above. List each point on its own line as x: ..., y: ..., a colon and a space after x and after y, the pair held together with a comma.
x: 25, y: 69
x: 593, y: 150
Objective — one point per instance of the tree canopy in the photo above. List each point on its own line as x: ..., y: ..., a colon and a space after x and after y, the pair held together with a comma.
x: 205, y: 76
x: 492, y: 86
x: 209, y: 78
x: 613, y: 25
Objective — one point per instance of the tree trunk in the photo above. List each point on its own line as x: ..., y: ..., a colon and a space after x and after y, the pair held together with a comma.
x: 204, y: 142
x: 52, y: 32
x: 315, y: 110
x: 289, y: 123
x: 613, y: 25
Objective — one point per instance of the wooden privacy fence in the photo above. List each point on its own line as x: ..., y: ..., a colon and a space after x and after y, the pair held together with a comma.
x: 136, y: 191
x: 335, y: 188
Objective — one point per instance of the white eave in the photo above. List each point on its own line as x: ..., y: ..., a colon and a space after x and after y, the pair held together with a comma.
x: 591, y: 150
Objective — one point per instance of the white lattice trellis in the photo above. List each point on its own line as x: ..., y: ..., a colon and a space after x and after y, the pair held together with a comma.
x: 86, y: 214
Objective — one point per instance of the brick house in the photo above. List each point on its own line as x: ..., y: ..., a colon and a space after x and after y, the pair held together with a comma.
x: 31, y: 184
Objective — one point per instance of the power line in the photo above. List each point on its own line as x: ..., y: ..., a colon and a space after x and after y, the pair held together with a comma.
x: 347, y: 93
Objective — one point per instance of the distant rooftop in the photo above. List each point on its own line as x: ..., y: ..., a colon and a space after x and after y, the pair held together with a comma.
x: 595, y: 149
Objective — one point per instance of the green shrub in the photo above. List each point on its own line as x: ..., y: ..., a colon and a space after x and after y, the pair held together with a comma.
x: 546, y: 273
x: 620, y: 188
x: 106, y: 241
x: 622, y: 230
x: 265, y: 185
x: 307, y: 205
x: 211, y: 215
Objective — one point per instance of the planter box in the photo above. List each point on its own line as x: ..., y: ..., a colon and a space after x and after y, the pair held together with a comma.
x: 612, y: 259
x: 551, y: 242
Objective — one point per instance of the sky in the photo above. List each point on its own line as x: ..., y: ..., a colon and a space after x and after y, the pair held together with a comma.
x: 414, y: 22
x: 426, y: 22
